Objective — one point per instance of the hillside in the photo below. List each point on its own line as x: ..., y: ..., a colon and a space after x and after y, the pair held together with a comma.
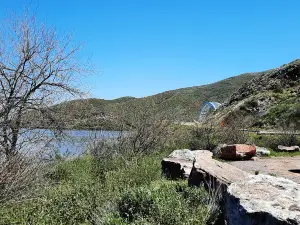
x: 271, y: 100
x: 99, y: 113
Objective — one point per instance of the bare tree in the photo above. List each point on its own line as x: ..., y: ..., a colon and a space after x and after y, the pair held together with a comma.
x: 35, y: 68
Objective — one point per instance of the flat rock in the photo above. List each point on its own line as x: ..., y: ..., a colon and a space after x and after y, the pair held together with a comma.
x: 261, y: 151
x: 235, y: 152
x: 189, y: 155
x: 214, y: 173
x: 282, y: 148
x: 180, y: 162
x: 261, y: 200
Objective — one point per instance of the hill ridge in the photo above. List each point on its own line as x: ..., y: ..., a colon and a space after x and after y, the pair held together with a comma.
x: 93, y: 112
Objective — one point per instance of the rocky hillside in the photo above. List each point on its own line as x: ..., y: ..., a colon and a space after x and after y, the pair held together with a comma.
x: 99, y: 113
x: 270, y: 100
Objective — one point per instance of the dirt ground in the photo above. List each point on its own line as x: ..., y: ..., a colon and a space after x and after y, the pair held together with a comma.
x: 276, y: 166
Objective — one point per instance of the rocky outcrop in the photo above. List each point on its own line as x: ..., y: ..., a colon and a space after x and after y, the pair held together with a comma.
x: 282, y: 148
x: 274, y: 79
x: 263, y: 200
x: 234, y: 152
x: 180, y: 162
x: 260, y: 102
x: 199, y: 167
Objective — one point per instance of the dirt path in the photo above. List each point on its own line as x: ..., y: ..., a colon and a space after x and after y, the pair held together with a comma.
x: 278, y: 166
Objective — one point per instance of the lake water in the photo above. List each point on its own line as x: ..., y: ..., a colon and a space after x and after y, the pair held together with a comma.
x: 77, y: 141
x: 72, y: 142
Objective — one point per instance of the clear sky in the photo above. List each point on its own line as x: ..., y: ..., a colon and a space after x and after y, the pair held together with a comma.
x: 144, y: 47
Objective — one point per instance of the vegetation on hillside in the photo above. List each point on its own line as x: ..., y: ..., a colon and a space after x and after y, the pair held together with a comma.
x: 104, y: 114
x: 271, y: 100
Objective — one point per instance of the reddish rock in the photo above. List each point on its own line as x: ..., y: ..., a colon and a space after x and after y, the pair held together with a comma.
x: 235, y: 152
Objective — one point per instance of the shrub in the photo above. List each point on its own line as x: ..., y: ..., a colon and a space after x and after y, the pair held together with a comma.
x: 251, y: 103
x: 137, y: 203
x: 276, y: 87
x: 233, y: 135
x: 166, y: 202
x: 58, y: 173
x: 134, y: 171
x: 72, y: 206
x: 272, y: 141
x: 284, y: 114
x: 204, y: 136
x: 19, y: 176
x: 113, y: 220
x: 209, y: 135
x: 64, y: 205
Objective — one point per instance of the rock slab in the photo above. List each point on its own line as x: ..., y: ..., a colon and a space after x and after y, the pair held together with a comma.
x: 180, y: 162
x: 235, y: 152
x: 263, y: 200
x: 215, y: 174
x: 282, y: 148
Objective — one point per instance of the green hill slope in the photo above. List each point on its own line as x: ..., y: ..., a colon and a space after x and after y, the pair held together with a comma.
x: 271, y: 100
x: 99, y: 113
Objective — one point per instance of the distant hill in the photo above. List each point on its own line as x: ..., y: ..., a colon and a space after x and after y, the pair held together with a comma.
x: 100, y: 113
x: 270, y: 100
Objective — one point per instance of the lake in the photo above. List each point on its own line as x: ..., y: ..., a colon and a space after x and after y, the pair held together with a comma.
x: 71, y: 143
x: 77, y: 141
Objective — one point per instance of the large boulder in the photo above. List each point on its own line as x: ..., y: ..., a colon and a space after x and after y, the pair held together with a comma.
x: 263, y: 200
x: 235, y: 152
x: 180, y: 162
x: 282, y: 148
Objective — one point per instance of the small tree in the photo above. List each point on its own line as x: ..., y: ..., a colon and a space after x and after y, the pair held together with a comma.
x: 37, y: 69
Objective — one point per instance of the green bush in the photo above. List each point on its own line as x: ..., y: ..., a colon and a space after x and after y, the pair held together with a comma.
x: 137, y: 203
x: 204, y: 137
x: 63, y: 205
x: 180, y: 204
x: 284, y: 114
x: 194, y: 196
x: 113, y: 219
x: 166, y: 202
x: 74, y: 206
x: 58, y: 173
x: 133, y: 172
x: 208, y: 136
x: 272, y: 141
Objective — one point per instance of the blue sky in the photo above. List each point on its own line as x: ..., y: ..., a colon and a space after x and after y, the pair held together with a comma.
x: 144, y: 47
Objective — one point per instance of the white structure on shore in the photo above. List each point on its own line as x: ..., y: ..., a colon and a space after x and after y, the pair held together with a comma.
x: 206, y: 108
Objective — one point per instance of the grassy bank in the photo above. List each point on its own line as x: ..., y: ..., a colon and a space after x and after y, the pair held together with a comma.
x: 131, y: 190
